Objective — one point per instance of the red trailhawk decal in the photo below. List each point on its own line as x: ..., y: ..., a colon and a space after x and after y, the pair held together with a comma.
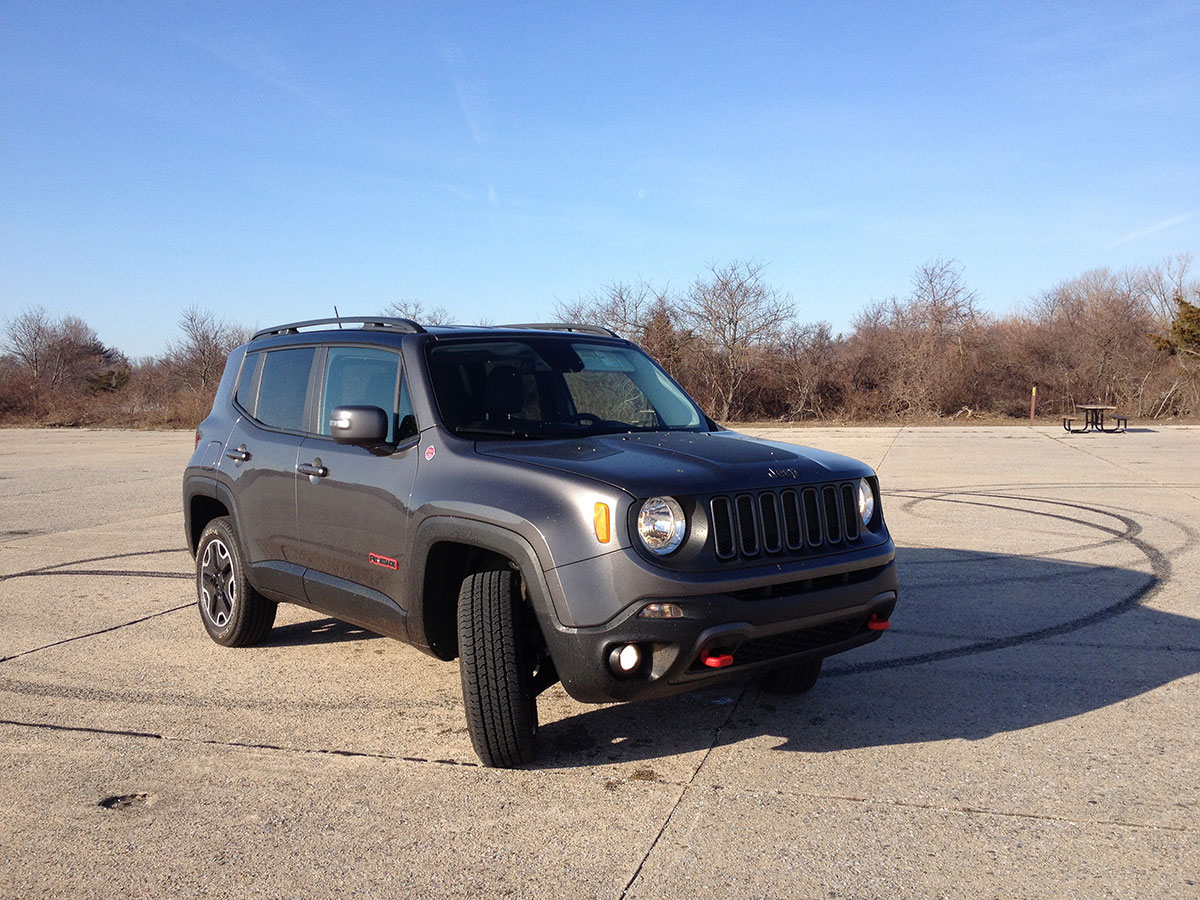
x: 386, y: 561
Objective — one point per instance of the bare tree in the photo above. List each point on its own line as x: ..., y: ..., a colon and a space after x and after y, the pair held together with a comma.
x: 417, y: 312
x: 942, y: 302
x: 810, y: 370
x: 29, y: 337
x: 737, y: 318
x: 625, y: 307
x: 61, y: 366
x: 1094, y: 333
x: 1182, y: 344
x: 57, y: 354
x: 198, y: 359
x: 921, y: 354
x: 1164, y: 283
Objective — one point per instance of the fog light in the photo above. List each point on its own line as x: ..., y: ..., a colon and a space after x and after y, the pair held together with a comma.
x: 624, y: 659
x: 661, y: 611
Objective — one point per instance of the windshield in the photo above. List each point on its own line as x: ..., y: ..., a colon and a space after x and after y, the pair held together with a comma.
x: 553, y: 387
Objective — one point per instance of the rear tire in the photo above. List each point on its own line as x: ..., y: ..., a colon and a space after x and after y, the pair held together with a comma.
x: 496, y: 666
x: 798, y: 679
x: 233, y: 612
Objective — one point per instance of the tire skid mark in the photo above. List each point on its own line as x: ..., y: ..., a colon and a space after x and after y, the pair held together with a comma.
x: 122, y: 573
x: 63, y: 569
x: 240, y: 745
x: 1128, y: 532
x: 99, y: 631
x: 95, y: 693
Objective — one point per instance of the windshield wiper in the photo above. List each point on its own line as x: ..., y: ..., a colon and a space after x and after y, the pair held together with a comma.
x: 494, y: 431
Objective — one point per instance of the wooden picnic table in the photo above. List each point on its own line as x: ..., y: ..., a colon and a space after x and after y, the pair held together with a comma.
x: 1093, y: 419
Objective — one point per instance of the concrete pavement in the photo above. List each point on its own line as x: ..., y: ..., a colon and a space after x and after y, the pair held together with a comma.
x: 1026, y: 729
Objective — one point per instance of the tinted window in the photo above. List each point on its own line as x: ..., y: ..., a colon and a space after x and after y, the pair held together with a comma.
x: 545, y: 387
x: 359, y: 376
x: 283, y: 387
x: 245, y: 385
x: 611, y: 395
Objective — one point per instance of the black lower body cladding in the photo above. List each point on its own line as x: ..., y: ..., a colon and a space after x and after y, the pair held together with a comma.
x: 725, y: 636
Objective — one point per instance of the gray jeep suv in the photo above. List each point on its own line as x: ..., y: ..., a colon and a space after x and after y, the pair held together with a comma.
x: 542, y: 502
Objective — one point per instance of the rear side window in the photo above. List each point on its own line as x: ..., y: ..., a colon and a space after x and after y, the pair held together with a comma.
x: 245, y: 386
x: 283, y: 388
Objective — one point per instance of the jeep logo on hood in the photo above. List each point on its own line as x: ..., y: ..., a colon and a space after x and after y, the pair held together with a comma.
x: 783, y: 473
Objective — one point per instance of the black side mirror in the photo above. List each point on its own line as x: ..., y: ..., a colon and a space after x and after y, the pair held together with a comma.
x: 358, y: 425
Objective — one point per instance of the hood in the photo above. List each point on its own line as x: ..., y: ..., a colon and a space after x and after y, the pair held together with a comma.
x: 680, y: 462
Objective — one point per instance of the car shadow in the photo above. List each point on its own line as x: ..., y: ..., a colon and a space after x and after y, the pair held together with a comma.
x: 316, y: 631
x: 981, y: 644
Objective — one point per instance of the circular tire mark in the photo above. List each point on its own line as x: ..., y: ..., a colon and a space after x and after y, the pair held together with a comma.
x: 1128, y: 534
x: 62, y: 568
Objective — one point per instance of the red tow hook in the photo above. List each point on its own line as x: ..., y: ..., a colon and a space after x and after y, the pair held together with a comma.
x: 716, y: 660
x: 877, y: 624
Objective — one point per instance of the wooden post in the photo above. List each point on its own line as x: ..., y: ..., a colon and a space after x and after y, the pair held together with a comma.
x: 1033, y: 403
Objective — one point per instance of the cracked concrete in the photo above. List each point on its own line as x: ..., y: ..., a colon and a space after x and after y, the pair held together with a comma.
x: 1026, y: 729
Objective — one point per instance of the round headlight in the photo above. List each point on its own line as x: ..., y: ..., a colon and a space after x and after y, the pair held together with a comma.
x: 661, y: 525
x: 866, y: 501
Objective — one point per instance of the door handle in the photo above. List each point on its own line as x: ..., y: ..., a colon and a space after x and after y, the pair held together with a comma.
x: 241, y: 454
x: 313, y: 469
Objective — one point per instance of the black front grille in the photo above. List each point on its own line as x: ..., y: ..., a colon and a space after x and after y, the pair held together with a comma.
x: 787, y: 521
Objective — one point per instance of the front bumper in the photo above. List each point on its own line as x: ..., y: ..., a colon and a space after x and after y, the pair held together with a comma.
x: 760, y: 629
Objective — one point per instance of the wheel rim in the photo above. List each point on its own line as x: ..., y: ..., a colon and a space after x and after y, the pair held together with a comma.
x: 218, y: 591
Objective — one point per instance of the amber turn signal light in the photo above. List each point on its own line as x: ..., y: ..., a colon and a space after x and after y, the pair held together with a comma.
x: 602, y: 522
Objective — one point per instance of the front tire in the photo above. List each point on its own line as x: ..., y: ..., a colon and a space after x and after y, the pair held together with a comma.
x: 496, y: 665
x: 233, y: 612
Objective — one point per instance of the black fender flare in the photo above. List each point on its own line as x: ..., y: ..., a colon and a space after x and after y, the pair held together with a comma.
x: 486, y: 537
x: 204, y: 486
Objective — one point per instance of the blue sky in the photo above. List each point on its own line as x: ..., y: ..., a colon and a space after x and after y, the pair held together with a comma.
x: 270, y: 161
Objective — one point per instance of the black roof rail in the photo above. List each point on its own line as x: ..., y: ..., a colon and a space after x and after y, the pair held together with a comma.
x: 567, y: 326
x: 406, y: 326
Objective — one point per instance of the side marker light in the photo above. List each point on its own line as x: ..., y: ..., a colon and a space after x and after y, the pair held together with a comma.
x: 602, y: 522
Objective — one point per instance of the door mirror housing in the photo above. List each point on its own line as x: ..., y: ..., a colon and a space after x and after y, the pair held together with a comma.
x: 365, y: 425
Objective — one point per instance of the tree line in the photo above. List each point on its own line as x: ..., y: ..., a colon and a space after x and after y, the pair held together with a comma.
x: 58, y: 372
x: 1130, y: 338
